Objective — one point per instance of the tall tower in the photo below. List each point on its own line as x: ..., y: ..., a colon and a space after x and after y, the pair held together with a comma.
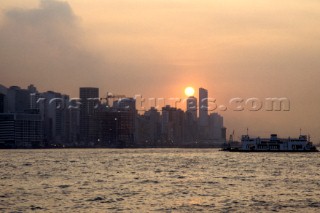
x: 203, y: 107
x: 2, y: 98
x: 89, y: 97
x: 216, y: 126
x: 192, y: 107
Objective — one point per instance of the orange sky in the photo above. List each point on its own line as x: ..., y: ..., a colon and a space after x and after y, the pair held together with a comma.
x: 156, y: 48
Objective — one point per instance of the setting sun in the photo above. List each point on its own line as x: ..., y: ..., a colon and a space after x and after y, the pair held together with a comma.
x: 189, y: 91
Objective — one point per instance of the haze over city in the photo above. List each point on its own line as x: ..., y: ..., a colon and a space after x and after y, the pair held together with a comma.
x: 261, y: 49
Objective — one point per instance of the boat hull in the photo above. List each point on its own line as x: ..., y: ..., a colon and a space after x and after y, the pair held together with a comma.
x: 295, y: 151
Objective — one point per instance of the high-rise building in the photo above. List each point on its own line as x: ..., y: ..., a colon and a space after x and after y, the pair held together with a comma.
x: 216, y: 127
x: 89, y: 98
x: 203, y: 107
x: 18, y: 99
x: 224, y: 133
x: 173, y: 125
x: 114, y: 127
x: 35, y: 97
x: 192, y: 107
x: 148, y: 132
x: 203, y: 121
x: 7, y: 138
x: 74, y: 121
x: 3, y: 99
x: 2, y: 102
x: 55, y: 115
x: 21, y: 130
x: 191, y: 120
x: 154, y: 125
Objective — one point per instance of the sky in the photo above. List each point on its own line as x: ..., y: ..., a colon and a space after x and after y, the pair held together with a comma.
x: 156, y: 48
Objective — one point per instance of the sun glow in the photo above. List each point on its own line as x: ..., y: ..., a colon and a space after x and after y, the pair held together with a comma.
x: 189, y: 91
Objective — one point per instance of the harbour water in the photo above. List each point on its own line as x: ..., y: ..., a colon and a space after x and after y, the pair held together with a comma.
x: 160, y: 180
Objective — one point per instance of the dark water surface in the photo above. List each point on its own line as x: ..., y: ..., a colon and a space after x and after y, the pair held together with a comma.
x: 161, y: 180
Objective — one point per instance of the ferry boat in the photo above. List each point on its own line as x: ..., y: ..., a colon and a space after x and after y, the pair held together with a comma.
x: 273, y: 144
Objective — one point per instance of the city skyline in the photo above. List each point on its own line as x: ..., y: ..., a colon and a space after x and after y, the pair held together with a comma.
x: 90, y: 99
x: 233, y: 49
x: 33, y: 119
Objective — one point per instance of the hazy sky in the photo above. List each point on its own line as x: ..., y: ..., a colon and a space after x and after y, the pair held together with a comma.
x: 156, y: 48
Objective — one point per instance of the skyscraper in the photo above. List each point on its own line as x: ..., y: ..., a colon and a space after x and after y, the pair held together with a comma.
x: 191, y: 120
x: 2, y: 97
x: 192, y: 107
x: 216, y: 126
x: 203, y: 107
x: 172, y: 125
x: 89, y: 98
x: 56, y: 117
x: 18, y: 99
x: 20, y: 130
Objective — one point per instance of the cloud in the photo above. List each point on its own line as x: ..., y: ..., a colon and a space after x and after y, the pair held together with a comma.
x: 50, y: 47
x: 46, y: 45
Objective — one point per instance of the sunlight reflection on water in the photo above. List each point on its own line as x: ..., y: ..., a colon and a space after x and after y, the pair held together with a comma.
x: 177, y: 180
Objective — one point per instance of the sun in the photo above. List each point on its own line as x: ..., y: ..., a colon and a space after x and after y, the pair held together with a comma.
x: 189, y: 91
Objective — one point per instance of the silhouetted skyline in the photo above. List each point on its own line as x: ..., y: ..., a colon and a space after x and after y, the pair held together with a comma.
x: 33, y: 119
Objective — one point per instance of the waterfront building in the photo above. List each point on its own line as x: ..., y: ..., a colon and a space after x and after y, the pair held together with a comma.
x: 21, y: 130
x: 89, y: 97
